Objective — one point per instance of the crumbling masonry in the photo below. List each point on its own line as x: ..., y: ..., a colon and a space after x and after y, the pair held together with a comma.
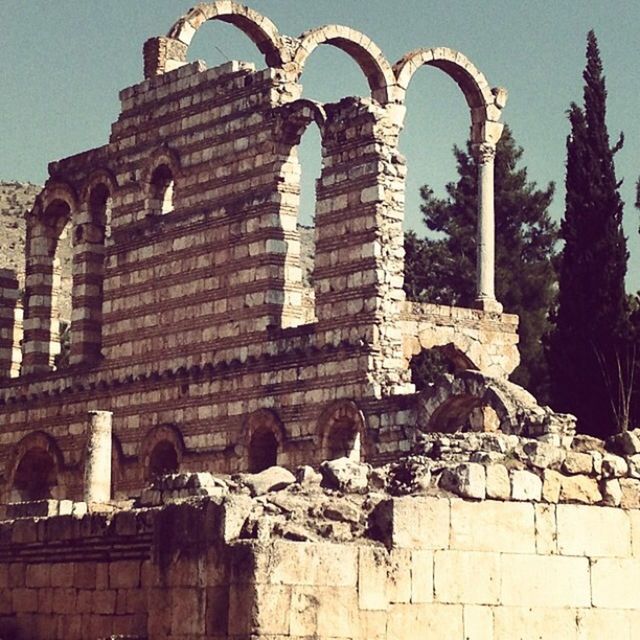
x: 148, y: 436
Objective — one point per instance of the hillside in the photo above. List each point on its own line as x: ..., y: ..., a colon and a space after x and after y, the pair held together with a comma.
x: 16, y: 198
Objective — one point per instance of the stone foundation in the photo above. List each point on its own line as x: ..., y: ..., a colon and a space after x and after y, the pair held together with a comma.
x: 441, y: 568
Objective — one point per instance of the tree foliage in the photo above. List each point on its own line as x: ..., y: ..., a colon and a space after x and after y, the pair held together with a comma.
x: 442, y: 269
x: 589, y: 346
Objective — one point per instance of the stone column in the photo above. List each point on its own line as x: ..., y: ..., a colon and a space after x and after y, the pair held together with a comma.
x: 97, y: 466
x: 485, y: 277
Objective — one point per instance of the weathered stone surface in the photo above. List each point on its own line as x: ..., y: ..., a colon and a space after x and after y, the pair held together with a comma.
x: 271, y: 479
x: 307, y: 475
x: 525, y: 485
x: 466, y: 480
x: 551, y: 485
x: 498, y: 484
x: 578, y: 463
x: 626, y: 443
x: 579, y: 489
x: 611, y: 492
x: 345, y: 475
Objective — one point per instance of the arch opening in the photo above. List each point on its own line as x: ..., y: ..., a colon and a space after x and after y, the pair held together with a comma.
x: 163, y: 459
x: 366, y: 54
x: 58, y: 228
x: 161, y: 200
x: 429, y: 365
x: 263, y: 450
x: 35, y: 475
x: 343, y: 440
x: 464, y: 413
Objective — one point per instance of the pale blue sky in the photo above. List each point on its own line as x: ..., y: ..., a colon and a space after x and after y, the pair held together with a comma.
x: 62, y: 64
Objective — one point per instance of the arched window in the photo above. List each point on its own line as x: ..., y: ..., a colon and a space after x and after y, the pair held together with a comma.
x: 263, y: 450
x: 163, y: 459
x: 343, y: 440
x: 35, y: 475
x: 162, y: 191
x: 341, y: 427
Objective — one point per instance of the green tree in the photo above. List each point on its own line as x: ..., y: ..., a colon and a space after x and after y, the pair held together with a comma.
x: 442, y: 269
x: 587, y: 347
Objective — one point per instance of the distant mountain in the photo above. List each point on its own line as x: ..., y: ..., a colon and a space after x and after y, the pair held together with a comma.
x: 16, y: 199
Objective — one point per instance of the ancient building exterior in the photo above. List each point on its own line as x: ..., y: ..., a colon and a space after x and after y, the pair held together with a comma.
x: 190, y: 320
x: 148, y: 436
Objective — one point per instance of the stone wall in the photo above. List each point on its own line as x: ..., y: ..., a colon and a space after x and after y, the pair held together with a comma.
x: 441, y: 568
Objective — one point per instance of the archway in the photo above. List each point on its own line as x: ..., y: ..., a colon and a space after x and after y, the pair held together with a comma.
x: 161, y: 191
x: 263, y: 450
x: 163, y: 459
x: 35, y: 475
x: 341, y: 429
x: 485, y: 108
x: 262, y: 32
x: 367, y: 55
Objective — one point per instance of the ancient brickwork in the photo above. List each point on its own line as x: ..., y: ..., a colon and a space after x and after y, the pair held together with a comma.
x: 191, y: 319
x: 446, y: 568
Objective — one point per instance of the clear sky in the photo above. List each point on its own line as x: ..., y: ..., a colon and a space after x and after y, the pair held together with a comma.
x: 62, y: 64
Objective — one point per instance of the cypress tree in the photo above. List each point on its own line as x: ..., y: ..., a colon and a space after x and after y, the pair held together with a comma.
x: 587, y: 343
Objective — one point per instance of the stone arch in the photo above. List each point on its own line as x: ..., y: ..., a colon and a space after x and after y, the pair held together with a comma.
x: 34, y: 465
x: 293, y: 120
x: 49, y: 222
x: 485, y: 107
x: 485, y: 103
x: 262, y: 439
x: 260, y: 30
x: 367, y: 55
x: 341, y: 429
x: 161, y: 450
x: 499, y: 405
x: 160, y: 178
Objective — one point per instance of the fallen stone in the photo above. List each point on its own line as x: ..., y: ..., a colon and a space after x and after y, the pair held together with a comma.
x: 525, y: 485
x: 468, y: 480
x: 586, y: 444
x: 578, y: 463
x: 295, y: 532
x: 307, y: 475
x: 498, y: 486
x: 345, y: 475
x: 341, y: 512
x: 579, y: 489
x: 271, y: 479
x: 626, y: 443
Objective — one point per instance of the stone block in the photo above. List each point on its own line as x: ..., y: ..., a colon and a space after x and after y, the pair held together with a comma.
x: 425, y: 621
x: 587, y: 531
x: 614, y: 583
x: 399, y: 580
x: 545, y: 581
x: 634, y: 518
x: 525, y: 485
x: 546, y: 529
x: 467, y: 577
x: 188, y: 611
x: 338, y: 613
x: 421, y: 576
x: 373, y: 566
x: 491, y: 525
x: 124, y: 574
x: 62, y: 574
x: 551, y: 484
x: 578, y: 463
x: 498, y: 485
x: 414, y: 522
x: 534, y: 623
x: 468, y: 480
x: 38, y: 575
x: 478, y: 622
x: 630, y: 489
x: 604, y: 623
x: 579, y: 489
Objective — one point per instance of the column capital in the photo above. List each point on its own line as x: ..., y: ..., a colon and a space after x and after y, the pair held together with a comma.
x: 485, y: 152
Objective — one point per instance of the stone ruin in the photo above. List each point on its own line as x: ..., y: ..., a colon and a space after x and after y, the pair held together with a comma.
x: 216, y: 446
